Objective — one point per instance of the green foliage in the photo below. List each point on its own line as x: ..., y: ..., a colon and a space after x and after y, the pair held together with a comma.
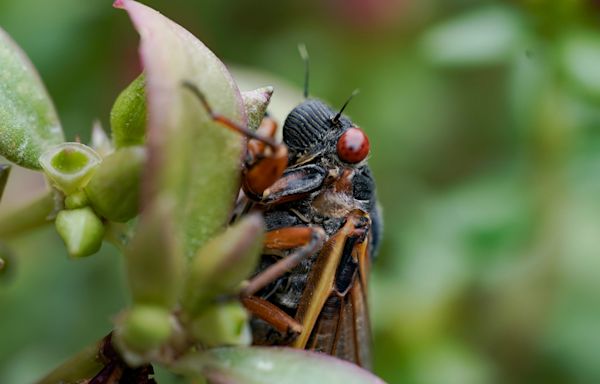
x: 192, y: 160
x: 484, y: 36
x: 154, y: 261
x: 273, y: 366
x: 580, y: 55
x: 28, y: 122
x: 223, y: 263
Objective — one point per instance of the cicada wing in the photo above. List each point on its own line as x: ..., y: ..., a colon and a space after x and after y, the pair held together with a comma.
x: 361, y: 324
x: 343, y: 329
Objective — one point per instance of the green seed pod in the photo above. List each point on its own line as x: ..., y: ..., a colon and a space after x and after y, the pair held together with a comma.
x: 69, y: 165
x: 81, y: 230
x: 114, y: 190
x: 154, y: 263
x: 256, y: 103
x: 223, y: 263
x: 222, y: 324
x: 144, y: 328
x: 128, y: 115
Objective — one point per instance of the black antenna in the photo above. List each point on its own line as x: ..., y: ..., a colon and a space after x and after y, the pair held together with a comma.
x: 305, y: 58
x: 336, y: 118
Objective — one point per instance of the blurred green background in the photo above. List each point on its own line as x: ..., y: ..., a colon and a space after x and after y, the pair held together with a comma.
x: 484, y: 124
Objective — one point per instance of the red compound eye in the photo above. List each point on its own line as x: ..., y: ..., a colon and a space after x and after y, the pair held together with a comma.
x: 353, y: 146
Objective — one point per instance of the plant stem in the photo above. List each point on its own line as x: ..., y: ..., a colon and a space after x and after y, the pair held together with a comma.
x: 31, y: 216
x: 84, y: 365
x: 4, y: 172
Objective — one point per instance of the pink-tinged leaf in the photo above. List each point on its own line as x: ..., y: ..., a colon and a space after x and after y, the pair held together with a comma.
x: 272, y: 365
x: 28, y: 122
x: 192, y: 160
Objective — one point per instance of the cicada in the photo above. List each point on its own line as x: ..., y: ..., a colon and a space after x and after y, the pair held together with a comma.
x: 317, y: 195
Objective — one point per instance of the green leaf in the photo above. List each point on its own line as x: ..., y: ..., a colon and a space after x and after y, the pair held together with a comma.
x: 28, y: 122
x: 192, y: 160
x: 271, y: 365
x: 128, y: 115
x: 484, y: 36
x: 580, y: 54
x: 223, y: 263
x: 154, y: 263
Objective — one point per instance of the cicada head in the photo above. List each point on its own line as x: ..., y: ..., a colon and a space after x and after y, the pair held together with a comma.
x: 313, y: 129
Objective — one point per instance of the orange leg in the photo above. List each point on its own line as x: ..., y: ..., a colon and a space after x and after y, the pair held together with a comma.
x: 307, y: 240
x: 272, y: 314
x: 264, y: 164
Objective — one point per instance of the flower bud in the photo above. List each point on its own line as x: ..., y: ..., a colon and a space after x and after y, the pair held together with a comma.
x: 256, y: 103
x: 81, y: 230
x: 69, y: 165
x: 114, y: 190
x: 222, y: 324
x: 223, y: 263
x: 128, y: 115
x: 144, y: 328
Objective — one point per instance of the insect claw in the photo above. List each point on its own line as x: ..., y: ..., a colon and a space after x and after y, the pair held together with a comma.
x: 224, y: 119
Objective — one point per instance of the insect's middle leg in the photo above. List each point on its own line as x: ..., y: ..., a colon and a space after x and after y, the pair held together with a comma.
x: 306, y: 241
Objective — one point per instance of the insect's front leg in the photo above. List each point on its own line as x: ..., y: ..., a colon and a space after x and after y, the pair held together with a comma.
x: 263, y: 164
x: 265, y: 158
x: 295, y: 184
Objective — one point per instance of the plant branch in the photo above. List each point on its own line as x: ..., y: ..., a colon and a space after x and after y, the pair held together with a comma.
x: 84, y: 365
x: 32, y: 215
